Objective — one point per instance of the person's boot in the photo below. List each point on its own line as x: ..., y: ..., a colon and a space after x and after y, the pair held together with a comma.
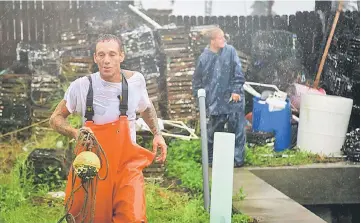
x: 238, y: 165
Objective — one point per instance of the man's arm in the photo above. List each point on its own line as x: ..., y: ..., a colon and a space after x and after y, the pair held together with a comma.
x: 59, y: 123
x: 149, y: 116
x: 197, y: 78
x: 237, y: 78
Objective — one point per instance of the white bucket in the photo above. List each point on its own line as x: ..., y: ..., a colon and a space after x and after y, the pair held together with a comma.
x: 323, y: 123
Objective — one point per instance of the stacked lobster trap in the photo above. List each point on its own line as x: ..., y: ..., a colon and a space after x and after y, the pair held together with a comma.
x: 15, y: 106
x: 45, y: 91
x: 178, y: 68
x: 76, y: 62
x: 141, y: 55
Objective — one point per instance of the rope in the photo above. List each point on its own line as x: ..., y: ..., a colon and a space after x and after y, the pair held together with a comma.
x: 22, y: 129
x: 87, y: 185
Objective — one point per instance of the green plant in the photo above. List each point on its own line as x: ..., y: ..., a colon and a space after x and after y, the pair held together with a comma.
x: 164, y: 206
x: 241, y: 218
x: 184, y: 163
x: 240, y: 195
x: 266, y: 156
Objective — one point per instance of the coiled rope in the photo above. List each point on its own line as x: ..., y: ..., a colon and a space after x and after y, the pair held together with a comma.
x: 88, y: 142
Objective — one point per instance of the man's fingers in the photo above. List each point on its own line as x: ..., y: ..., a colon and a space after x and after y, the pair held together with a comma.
x: 163, y: 155
x: 155, y: 146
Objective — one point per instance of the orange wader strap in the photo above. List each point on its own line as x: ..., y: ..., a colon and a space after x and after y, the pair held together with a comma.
x: 123, y: 105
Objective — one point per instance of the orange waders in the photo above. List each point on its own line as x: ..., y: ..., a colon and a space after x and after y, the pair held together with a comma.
x: 120, y: 198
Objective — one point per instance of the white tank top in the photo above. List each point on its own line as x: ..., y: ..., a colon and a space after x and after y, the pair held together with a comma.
x: 105, y: 100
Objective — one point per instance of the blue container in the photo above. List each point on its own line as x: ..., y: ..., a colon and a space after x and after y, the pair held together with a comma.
x: 278, y: 122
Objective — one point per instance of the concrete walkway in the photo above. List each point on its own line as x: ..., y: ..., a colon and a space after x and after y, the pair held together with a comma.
x: 266, y: 204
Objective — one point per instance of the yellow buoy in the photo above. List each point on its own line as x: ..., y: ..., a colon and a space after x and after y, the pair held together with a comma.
x: 86, y: 165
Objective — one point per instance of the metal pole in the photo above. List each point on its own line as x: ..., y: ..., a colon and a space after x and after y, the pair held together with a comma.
x: 145, y: 17
x: 204, y: 143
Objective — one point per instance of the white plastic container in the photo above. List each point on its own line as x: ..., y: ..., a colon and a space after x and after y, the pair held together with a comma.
x: 323, y: 123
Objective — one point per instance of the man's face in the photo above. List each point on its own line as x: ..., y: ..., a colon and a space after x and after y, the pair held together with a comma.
x: 218, y: 40
x: 108, y: 58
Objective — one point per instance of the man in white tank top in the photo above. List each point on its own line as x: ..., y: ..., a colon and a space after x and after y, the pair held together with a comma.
x: 106, y: 87
x: 109, y: 100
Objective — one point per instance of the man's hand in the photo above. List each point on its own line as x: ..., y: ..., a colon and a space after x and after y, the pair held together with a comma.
x: 86, y: 137
x: 82, y: 129
x: 235, y: 97
x: 158, y: 141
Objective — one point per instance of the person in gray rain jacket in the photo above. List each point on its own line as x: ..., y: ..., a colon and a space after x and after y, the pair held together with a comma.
x: 219, y: 72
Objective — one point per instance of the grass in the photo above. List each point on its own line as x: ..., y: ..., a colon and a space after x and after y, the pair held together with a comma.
x: 20, y: 201
x: 266, y: 157
x: 184, y: 164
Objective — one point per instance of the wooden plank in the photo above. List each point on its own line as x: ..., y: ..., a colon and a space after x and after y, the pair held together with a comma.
x: 234, y: 23
x: 7, y: 22
x: 263, y: 23
x: 193, y: 20
x: 242, y: 32
x: 65, y: 15
x: 308, y: 40
x: 11, y: 27
x: 48, y: 18
x: 221, y: 22
x: 2, y: 24
x: 249, y: 34
x: 180, y: 21
x: 200, y: 21
x: 84, y: 13
x: 39, y: 22
x: 172, y: 19
x: 214, y: 20
x: 356, y: 19
x: 25, y: 20
x: 54, y: 24
x: 300, y: 21
x: 187, y: 22
x: 17, y: 17
x: 255, y: 24
x: 73, y: 24
x: 2, y: 33
x: 269, y: 22
x: 31, y: 22
x: 277, y: 22
x: 314, y: 24
x: 57, y: 6
x: 300, y: 33
x: 207, y: 20
x: 8, y: 54
x: 284, y: 22
x: 228, y: 26
x: 292, y: 24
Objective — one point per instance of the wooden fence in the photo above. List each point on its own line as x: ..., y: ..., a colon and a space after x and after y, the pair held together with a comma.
x: 43, y: 21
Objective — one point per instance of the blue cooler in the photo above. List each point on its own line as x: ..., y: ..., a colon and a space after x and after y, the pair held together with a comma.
x: 278, y: 122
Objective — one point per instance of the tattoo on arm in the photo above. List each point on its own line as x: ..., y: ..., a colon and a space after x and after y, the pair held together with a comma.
x: 150, y: 118
x: 59, y: 123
